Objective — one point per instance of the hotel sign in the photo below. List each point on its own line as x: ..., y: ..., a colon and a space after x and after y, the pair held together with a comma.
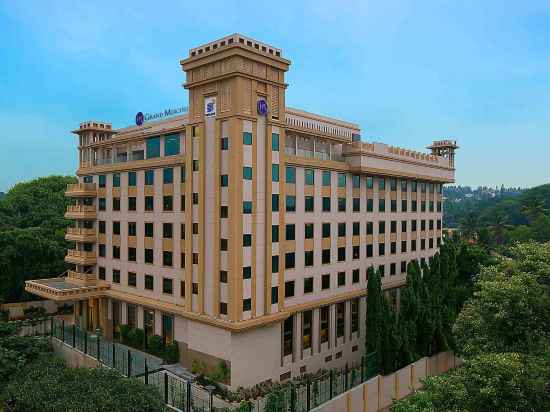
x: 209, y: 106
x: 262, y: 107
x: 142, y: 118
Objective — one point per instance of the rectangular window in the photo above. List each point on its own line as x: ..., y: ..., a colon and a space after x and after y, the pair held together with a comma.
x: 132, y: 229
x: 290, y: 203
x: 341, y: 204
x: 101, y: 250
x: 195, y: 165
x: 102, y: 203
x: 168, y: 175
x: 403, y: 246
x: 247, y: 240
x: 308, y: 230
x: 132, y: 179
x: 341, y: 180
x: 148, y: 256
x: 326, y: 177
x: 274, y: 264
x: 307, y: 318
x: 309, y: 176
x: 182, y: 174
x: 369, y: 228
x: 288, y: 334
x: 149, y: 282
x: 166, y: 258
x: 325, y: 281
x: 116, y: 276
x: 224, y: 143
x: 381, y: 249
x: 167, y: 286
x: 381, y: 183
x: 116, y: 204
x: 325, y: 256
x: 149, y: 177
x: 356, y: 204
x: 224, y: 180
x: 149, y: 229
x: 101, y: 226
x: 102, y: 181
x: 247, y: 138
x: 381, y: 205
x: 149, y: 203
x: 171, y: 144
x: 324, y: 320
x: 414, y: 207
x: 341, y: 229
x: 370, y: 182
x: 275, y: 202
x: 116, y: 228
x: 308, y: 285
x: 167, y: 230
x: 369, y: 251
x: 326, y: 204
x: 116, y: 252
x: 247, y: 207
x: 247, y: 173
x: 223, y: 276
x: 340, y: 319
x: 131, y: 254
x: 370, y: 205
x: 167, y: 203
x: 355, y: 315
x: 393, y: 206
x: 309, y: 203
x: 326, y: 230
x: 275, y: 172
x: 290, y: 174
x: 132, y: 205
x: 355, y: 229
x: 132, y: 279
x: 247, y: 272
x: 290, y: 260
x: 152, y: 147
x: 274, y: 233
x: 247, y: 304
x: 308, y: 258
x: 341, y: 254
x: 289, y: 289
x: 403, y: 205
x: 275, y: 142
x: 274, y: 295
x: 341, y: 279
x: 116, y: 180
x: 393, y: 184
x: 355, y: 276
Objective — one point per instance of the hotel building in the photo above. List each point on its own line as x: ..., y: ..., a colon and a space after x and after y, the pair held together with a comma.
x: 243, y: 230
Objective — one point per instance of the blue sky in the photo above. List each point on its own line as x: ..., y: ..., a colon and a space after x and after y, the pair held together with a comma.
x: 407, y: 71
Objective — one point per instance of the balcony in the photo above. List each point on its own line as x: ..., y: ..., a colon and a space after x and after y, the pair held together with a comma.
x: 80, y: 278
x: 80, y: 234
x: 81, y: 190
x: 80, y: 257
x: 81, y: 212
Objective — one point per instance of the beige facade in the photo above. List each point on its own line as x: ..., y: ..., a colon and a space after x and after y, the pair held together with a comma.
x: 245, y: 235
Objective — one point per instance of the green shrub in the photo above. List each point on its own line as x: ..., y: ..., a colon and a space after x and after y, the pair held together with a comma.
x: 4, y: 315
x: 155, y: 345
x: 124, y: 334
x: 7, y: 329
x: 136, y: 337
x: 171, y: 353
x: 34, y: 312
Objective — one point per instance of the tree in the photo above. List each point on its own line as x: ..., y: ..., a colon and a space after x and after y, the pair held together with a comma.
x: 489, y: 382
x: 374, y: 314
x: 469, y: 226
x: 532, y: 208
x: 409, y: 314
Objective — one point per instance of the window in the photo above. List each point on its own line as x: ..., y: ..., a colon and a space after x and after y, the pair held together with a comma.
x: 116, y: 276
x: 101, y: 250
x: 422, y: 225
x: 247, y: 207
x: 166, y: 258
x: 290, y: 232
x: 131, y: 254
x: 149, y: 256
x: 356, y: 204
x: 369, y: 250
x: 392, y: 269
x: 308, y: 230
x: 341, y: 204
x: 247, y: 240
x: 224, y: 143
x: 195, y: 198
x: 393, y: 206
x: 381, y: 205
x: 370, y: 204
x: 422, y: 244
x: 195, y: 228
x: 224, y: 212
x: 247, y: 173
x: 167, y: 230
x: 403, y: 266
x: 274, y: 233
x: 289, y: 288
x: 182, y: 258
x: 290, y: 203
x: 341, y: 279
x: 356, y: 181
x: 274, y: 172
x: 195, y: 165
x: 381, y: 183
x: 116, y: 203
x: 290, y: 260
x: 308, y: 285
x: 182, y: 174
x: 355, y: 276
x: 101, y: 226
x: 167, y: 286
x: 152, y: 147
x: 132, y: 178
x: 381, y: 249
x: 355, y: 252
x: 247, y: 138
x: 326, y: 204
x: 149, y: 229
x: 393, y: 226
x: 309, y: 203
x: 223, y: 276
x: 168, y: 175
x: 275, y: 142
x: 171, y: 145
x: 149, y: 282
x: 403, y: 205
x: 340, y: 319
x: 102, y: 203
x: 423, y: 206
x: 381, y: 227
x: 369, y: 228
x: 274, y: 295
x: 149, y: 203
x: 224, y: 180
x: 247, y: 304
x: 274, y: 264
x: 413, y: 245
x: 341, y: 254
x: 182, y: 288
x: 355, y: 315
x: 326, y: 178
x: 308, y: 258
x: 393, y: 184
x: 307, y: 318
x: 102, y: 181
x: 182, y: 203
x: 326, y: 230
x: 325, y: 256
x: 325, y: 281
x: 195, y: 258
x: 290, y: 174
x: 382, y: 270
x: 116, y: 180
x: 309, y: 177
x: 355, y: 229
x: 167, y: 203
x: 132, y: 279
x: 324, y: 319
x: 370, y: 182
x: 341, y: 229
x: 116, y: 252
x: 393, y: 248
x: 403, y: 246
x: 132, y: 203
x: 341, y: 180
x: 414, y: 207
x: 288, y: 333
x: 275, y: 202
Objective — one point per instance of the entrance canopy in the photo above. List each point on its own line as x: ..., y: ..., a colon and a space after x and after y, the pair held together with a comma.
x: 60, y: 289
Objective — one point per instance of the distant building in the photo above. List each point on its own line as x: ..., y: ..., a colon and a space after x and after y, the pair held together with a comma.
x: 244, y: 229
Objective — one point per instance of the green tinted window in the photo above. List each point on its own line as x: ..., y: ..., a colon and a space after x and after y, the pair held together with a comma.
x: 356, y: 181
x: 290, y: 174
x: 132, y: 178
x: 149, y: 177
x: 275, y: 142
x: 168, y: 175
x: 309, y: 176
x: 247, y: 138
x: 275, y: 172
x: 326, y: 177
x: 116, y: 180
x: 171, y: 145
x: 247, y: 173
x: 341, y: 180
x: 152, y: 147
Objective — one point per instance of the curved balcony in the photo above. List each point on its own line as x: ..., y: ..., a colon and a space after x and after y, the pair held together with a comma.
x: 79, y: 234
x: 80, y: 257
x: 81, y: 212
x: 81, y: 190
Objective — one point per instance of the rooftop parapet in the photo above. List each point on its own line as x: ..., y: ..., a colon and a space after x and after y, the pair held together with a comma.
x: 235, y: 39
x: 95, y: 125
x: 302, y: 120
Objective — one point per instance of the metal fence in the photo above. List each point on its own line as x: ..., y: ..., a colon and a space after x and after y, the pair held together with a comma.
x: 185, y: 396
